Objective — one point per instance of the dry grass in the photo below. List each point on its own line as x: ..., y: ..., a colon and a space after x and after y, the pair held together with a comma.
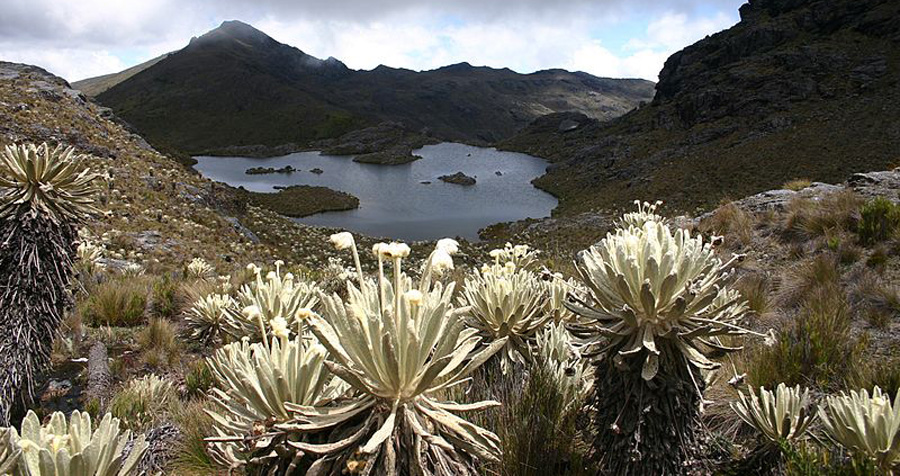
x: 808, y: 218
x: 815, y: 348
x: 797, y: 184
x: 875, y: 298
x: 159, y: 344
x: 801, y: 280
x: 731, y: 222
x: 117, y: 302
x: 756, y: 288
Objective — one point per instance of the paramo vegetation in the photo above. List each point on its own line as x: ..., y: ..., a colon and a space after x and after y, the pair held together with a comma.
x: 665, y: 348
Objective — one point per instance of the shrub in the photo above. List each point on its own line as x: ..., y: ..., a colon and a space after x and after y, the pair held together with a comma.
x: 208, y: 316
x: 784, y: 414
x: 159, y: 344
x: 44, y: 195
x: 255, y: 382
x: 879, y: 220
x: 163, y: 301
x: 507, y: 302
x: 117, y: 302
x: 198, y: 379
x: 394, y: 422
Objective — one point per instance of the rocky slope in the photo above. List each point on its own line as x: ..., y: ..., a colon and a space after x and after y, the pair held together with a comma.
x: 797, y: 89
x: 236, y: 86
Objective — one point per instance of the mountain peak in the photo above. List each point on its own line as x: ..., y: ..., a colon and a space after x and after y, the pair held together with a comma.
x: 236, y: 30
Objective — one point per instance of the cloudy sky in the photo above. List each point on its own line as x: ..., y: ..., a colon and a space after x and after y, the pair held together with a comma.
x: 617, y: 38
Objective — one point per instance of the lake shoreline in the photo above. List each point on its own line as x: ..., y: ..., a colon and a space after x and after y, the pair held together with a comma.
x: 408, y: 201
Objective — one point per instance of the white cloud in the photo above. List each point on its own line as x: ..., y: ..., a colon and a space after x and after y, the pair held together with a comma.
x: 69, y: 63
x: 77, y: 40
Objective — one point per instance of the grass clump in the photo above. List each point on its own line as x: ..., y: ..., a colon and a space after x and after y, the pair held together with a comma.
x: 802, y: 280
x: 879, y: 221
x: 118, y: 303
x: 814, y: 349
x: 159, y: 344
x: 198, y: 378
x: 797, y: 184
x: 808, y: 218
x: 732, y: 222
x: 163, y: 297
x: 143, y: 402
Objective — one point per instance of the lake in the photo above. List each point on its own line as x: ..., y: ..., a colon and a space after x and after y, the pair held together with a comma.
x: 393, y: 200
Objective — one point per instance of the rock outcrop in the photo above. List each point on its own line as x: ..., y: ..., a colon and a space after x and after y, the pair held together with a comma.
x: 797, y: 89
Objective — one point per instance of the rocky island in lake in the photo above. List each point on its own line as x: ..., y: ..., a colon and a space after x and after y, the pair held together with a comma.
x: 458, y: 178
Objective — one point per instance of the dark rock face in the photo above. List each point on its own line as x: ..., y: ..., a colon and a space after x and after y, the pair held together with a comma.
x: 458, y: 178
x: 797, y: 89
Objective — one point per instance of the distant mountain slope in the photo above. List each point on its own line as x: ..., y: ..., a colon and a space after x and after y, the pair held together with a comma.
x: 235, y: 86
x: 798, y: 88
x: 94, y: 86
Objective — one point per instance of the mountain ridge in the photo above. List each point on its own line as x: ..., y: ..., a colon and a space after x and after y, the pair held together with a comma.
x: 236, y: 86
x: 797, y: 89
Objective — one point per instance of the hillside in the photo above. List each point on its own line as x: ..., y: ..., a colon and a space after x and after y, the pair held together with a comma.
x: 797, y: 89
x: 236, y: 86
x: 94, y: 86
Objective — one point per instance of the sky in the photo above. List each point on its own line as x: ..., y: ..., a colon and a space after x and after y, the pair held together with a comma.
x: 611, y: 38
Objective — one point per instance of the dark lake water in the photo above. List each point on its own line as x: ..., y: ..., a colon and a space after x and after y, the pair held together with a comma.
x: 393, y: 201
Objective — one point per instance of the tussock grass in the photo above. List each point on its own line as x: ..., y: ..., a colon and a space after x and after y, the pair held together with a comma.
x: 159, y: 344
x: 756, y: 288
x: 875, y: 298
x: 808, y: 219
x: 143, y: 403
x: 195, y: 424
x: 730, y: 221
x: 119, y: 302
x: 535, y: 425
x: 815, y: 348
x: 800, y: 281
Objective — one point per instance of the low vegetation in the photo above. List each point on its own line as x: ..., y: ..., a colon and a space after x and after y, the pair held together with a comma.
x: 627, y: 362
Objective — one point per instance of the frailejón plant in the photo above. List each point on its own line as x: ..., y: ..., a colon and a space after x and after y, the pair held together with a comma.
x: 44, y: 194
x: 9, y: 452
x: 271, y: 297
x: 199, y: 268
x: 868, y: 426
x: 507, y: 303
x: 398, y: 346
x: 784, y: 414
x: 208, y: 316
x: 657, y: 302
x: 255, y: 381
x: 645, y: 212
x: 75, y: 448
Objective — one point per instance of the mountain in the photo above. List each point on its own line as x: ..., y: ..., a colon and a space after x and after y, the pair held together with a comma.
x: 99, y: 84
x: 797, y: 89
x: 236, y: 86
